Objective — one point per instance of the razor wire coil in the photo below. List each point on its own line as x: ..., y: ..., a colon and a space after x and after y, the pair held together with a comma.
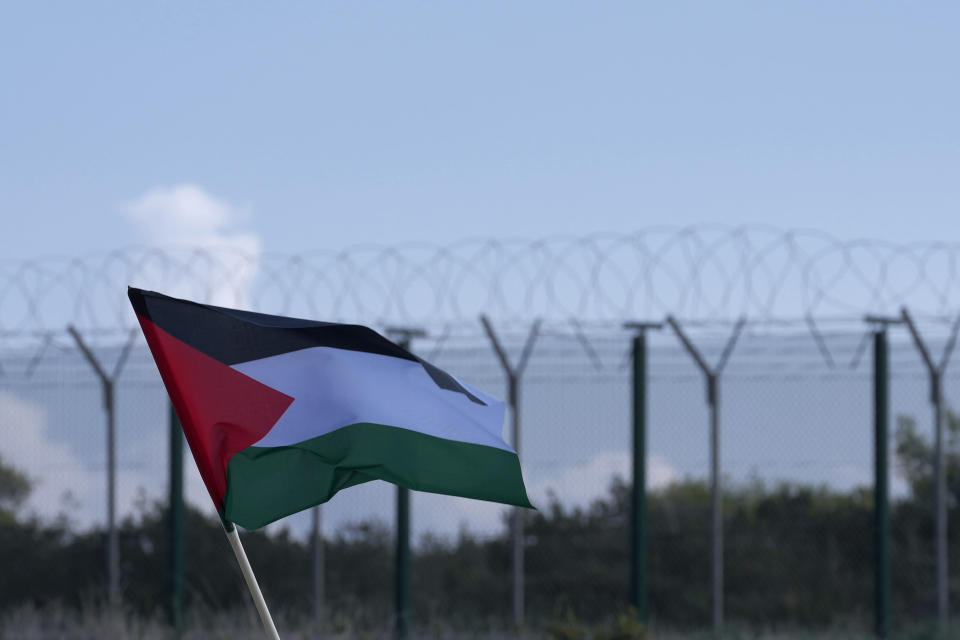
x: 698, y: 274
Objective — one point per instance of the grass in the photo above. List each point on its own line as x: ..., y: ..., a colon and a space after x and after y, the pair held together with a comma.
x: 95, y: 623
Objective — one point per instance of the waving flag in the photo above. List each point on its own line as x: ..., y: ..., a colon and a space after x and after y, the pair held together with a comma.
x: 282, y: 413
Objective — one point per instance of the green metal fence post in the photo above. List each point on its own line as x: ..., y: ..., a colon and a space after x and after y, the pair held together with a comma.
x: 638, y: 515
x: 402, y: 586
x: 402, y: 589
x: 176, y: 524
x: 318, y: 553
x: 638, y: 503
x: 881, y: 490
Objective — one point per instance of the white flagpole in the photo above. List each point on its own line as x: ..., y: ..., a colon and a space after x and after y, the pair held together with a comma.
x: 231, y: 530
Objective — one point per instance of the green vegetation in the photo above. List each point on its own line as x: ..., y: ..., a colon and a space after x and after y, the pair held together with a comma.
x: 14, y: 489
x: 796, y: 558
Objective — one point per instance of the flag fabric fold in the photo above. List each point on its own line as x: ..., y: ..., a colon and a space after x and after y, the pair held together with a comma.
x: 282, y: 413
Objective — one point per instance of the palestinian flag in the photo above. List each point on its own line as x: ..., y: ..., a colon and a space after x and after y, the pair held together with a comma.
x: 281, y: 413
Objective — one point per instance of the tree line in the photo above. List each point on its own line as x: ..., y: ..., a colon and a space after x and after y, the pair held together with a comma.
x: 794, y: 555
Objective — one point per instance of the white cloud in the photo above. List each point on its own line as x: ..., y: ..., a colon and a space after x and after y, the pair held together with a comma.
x: 180, y: 213
x: 446, y: 515
x: 186, y: 215
x: 62, y: 484
x: 580, y: 485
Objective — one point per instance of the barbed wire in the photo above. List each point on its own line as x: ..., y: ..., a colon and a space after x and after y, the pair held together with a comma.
x: 697, y: 274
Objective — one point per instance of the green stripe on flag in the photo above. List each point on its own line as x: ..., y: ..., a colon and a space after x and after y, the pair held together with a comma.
x: 267, y: 483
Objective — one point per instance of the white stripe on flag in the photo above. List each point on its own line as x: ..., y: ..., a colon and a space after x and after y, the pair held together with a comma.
x: 333, y: 388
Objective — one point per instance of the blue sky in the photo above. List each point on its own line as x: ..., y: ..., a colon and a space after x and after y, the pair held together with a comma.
x: 324, y: 124
x: 286, y: 127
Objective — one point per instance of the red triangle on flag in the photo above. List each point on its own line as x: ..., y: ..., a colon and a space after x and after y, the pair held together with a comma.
x: 222, y: 410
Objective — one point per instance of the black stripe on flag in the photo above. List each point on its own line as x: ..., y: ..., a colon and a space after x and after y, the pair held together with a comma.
x: 233, y: 336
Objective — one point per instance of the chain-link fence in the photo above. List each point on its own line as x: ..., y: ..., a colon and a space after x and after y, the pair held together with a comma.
x: 795, y: 420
